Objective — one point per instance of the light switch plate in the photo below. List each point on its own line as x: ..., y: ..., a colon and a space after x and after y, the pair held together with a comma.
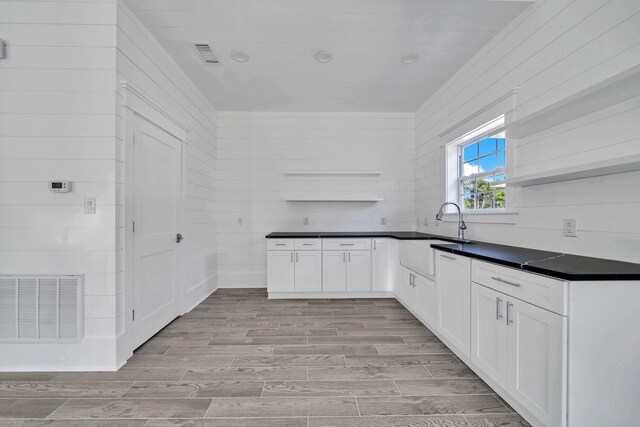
x: 569, y: 227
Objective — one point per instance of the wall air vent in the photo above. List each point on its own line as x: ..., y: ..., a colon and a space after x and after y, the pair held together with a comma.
x: 205, y: 52
x: 41, y: 308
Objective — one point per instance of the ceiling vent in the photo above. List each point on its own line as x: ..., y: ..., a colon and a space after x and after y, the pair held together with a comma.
x: 205, y: 52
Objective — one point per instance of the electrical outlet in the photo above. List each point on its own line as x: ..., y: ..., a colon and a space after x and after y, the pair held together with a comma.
x: 90, y: 205
x: 383, y: 221
x: 240, y: 220
x: 569, y: 227
x: 426, y: 221
x: 305, y: 220
x: 418, y: 222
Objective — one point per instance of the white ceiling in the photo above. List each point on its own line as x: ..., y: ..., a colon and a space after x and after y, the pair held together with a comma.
x: 366, y: 37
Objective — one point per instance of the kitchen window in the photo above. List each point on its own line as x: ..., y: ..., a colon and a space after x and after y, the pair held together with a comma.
x: 481, y: 173
x: 476, y: 165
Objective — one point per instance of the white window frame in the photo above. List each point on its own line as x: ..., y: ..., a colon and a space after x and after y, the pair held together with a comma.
x: 454, y: 161
x: 475, y: 176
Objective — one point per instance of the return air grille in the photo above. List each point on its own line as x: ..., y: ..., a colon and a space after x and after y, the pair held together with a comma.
x: 40, y: 308
x: 206, y: 53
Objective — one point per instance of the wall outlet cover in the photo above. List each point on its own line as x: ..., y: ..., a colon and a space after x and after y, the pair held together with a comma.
x: 569, y: 228
x: 383, y: 221
x: 90, y: 205
x: 305, y: 220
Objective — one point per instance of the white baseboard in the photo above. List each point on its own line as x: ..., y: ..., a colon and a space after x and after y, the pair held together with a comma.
x: 332, y: 295
x: 235, y: 280
x: 90, y: 354
x: 199, y: 293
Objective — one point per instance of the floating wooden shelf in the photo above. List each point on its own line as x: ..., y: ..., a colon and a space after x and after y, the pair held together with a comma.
x: 334, y: 199
x: 614, y: 90
x: 333, y: 173
x: 589, y: 170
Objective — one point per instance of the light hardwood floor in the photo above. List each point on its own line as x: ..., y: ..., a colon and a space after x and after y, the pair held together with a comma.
x: 241, y: 360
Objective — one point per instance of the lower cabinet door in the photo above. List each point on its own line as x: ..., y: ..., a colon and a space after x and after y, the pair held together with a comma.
x: 453, y: 306
x: 308, y: 271
x: 334, y: 271
x: 402, y: 285
x: 380, y: 271
x: 411, y: 291
x: 537, y: 359
x: 426, y: 299
x: 280, y: 271
x: 489, y: 333
x: 358, y: 271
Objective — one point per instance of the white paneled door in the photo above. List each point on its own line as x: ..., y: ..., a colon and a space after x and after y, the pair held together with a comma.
x: 157, y: 194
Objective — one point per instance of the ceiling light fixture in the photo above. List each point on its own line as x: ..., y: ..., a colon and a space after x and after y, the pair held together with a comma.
x: 409, y: 59
x: 323, y: 56
x: 239, y: 56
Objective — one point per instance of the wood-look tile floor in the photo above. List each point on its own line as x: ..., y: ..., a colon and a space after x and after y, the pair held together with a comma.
x: 241, y: 360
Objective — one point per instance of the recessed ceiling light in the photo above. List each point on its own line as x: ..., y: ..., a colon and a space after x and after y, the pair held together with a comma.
x: 409, y: 59
x: 323, y: 56
x: 239, y: 56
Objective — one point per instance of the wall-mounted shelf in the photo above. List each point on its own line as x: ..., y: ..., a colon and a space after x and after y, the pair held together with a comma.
x: 623, y: 86
x: 334, y: 199
x: 333, y: 173
x: 589, y: 170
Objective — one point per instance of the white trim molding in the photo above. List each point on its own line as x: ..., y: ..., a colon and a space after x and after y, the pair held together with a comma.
x: 144, y: 105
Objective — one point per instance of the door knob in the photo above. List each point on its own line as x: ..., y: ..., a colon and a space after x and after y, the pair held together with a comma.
x: 179, y: 238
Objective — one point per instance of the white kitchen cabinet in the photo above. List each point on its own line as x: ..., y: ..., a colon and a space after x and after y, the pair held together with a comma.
x: 358, y: 271
x: 308, y: 271
x: 426, y: 299
x: 381, y: 271
x: 489, y: 333
x: 346, y: 271
x: 521, y: 347
x: 453, y: 300
x: 408, y: 288
x: 334, y: 271
x: 280, y: 271
x: 536, y: 377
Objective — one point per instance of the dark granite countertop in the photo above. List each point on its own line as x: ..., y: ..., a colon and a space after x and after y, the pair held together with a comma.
x: 400, y: 235
x: 553, y: 264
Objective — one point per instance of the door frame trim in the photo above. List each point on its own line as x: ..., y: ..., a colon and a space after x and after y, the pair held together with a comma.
x: 135, y: 102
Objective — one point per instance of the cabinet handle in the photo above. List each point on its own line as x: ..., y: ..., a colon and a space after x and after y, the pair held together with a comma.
x: 506, y: 282
x: 448, y: 257
x: 347, y: 244
x: 344, y: 257
x: 349, y: 256
x: 281, y: 244
x: 307, y: 244
x: 296, y: 257
x: 498, y: 302
x: 291, y: 256
x: 375, y: 247
x: 509, y: 320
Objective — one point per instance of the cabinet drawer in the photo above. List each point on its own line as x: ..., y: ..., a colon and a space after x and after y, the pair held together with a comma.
x: 346, y: 244
x: 280, y: 244
x: 542, y: 291
x: 308, y: 244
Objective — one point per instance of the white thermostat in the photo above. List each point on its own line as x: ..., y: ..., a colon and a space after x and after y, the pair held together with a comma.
x: 59, y: 186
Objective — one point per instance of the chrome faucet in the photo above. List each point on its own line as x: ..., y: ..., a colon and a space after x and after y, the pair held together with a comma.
x: 461, y: 225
